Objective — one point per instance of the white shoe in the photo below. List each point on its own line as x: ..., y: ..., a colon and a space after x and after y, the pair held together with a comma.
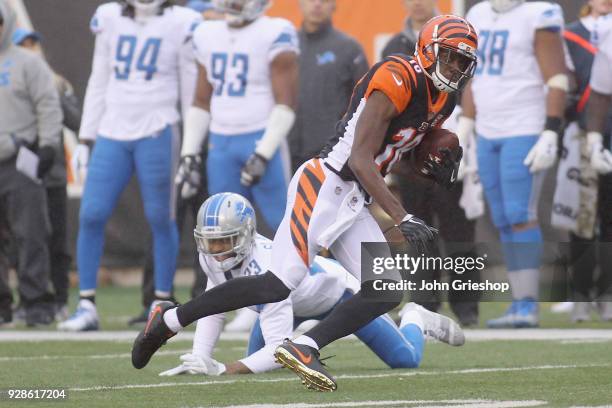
x: 243, y: 322
x: 435, y: 325
x: 84, y: 319
x: 562, y: 307
x: 581, y: 312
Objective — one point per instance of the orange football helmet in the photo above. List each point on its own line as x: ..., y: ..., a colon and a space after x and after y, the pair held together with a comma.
x: 446, y: 50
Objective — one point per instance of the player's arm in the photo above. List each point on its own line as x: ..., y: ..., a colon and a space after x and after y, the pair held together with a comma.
x: 466, y: 125
x: 369, y: 137
x: 195, y: 127
x: 598, y: 109
x: 550, y: 55
x: 284, y: 70
x: 94, y: 103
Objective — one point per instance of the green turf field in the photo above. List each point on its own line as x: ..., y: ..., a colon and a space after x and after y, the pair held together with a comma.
x: 482, y: 373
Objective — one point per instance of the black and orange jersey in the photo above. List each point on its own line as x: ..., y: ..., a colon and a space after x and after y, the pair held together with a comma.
x: 403, y: 81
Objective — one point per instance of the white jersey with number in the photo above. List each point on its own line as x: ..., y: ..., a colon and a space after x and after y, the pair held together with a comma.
x: 138, y: 72
x: 509, y: 91
x: 601, y: 73
x: 237, y: 62
x: 318, y: 293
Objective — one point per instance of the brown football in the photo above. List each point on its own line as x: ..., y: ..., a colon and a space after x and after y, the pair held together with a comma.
x: 432, y: 142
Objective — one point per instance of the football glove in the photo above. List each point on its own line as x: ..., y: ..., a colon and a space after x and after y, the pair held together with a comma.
x: 601, y: 159
x: 544, y: 153
x: 46, y: 157
x: 253, y: 170
x: 417, y: 233
x: 445, y: 170
x: 80, y: 161
x: 189, y: 175
x: 194, y: 364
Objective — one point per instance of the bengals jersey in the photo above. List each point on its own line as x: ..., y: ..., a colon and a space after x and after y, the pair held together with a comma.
x: 419, y: 106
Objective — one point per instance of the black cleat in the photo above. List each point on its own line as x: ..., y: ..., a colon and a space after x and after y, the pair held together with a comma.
x: 304, y: 361
x: 153, y: 336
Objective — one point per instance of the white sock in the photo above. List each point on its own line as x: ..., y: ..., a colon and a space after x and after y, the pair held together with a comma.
x: 413, y: 317
x: 87, y: 293
x: 172, y: 321
x: 524, y: 283
x: 307, y: 341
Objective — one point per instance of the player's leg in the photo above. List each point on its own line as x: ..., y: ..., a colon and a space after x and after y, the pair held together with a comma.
x: 397, y: 347
x: 489, y: 165
x: 155, y: 162
x: 109, y: 171
x: 256, y: 339
x: 357, y: 311
x: 223, y: 165
x: 521, y: 192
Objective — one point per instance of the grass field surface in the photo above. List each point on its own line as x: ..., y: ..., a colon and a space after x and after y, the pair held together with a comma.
x: 556, y: 372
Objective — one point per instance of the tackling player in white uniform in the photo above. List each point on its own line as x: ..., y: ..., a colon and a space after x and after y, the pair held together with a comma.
x: 142, y: 63
x: 245, y: 97
x: 230, y: 248
x: 518, y: 123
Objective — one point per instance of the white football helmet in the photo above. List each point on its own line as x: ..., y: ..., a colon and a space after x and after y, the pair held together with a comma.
x: 226, y: 225
x: 501, y: 6
x: 241, y: 11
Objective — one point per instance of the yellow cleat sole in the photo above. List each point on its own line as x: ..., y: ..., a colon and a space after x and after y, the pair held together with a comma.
x: 313, y: 380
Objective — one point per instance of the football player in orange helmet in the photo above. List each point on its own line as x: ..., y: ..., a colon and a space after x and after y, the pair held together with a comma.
x: 393, y: 106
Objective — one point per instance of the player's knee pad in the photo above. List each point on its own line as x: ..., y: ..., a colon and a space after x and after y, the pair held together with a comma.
x: 94, y: 212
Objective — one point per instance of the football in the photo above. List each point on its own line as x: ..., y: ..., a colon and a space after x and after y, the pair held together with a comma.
x: 432, y: 142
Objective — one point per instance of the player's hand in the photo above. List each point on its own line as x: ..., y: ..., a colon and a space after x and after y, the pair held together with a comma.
x: 253, y: 170
x: 445, y: 170
x: 417, y: 232
x: 202, y: 365
x: 601, y: 159
x: 178, y: 370
x: 80, y: 161
x: 544, y: 153
x: 189, y: 175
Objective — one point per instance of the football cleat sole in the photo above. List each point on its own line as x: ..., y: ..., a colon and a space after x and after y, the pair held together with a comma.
x: 312, y: 379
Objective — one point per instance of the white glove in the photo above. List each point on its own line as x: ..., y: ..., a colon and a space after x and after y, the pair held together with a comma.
x: 601, y: 159
x: 194, y: 364
x: 544, y: 153
x: 465, y: 132
x: 79, y: 162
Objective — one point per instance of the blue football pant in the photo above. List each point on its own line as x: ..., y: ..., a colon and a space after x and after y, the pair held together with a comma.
x: 398, y: 348
x: 111, y: 166
x: 512, y: 193
x: 226, y: 157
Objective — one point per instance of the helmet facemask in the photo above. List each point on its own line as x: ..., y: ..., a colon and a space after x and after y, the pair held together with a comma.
x: 451, y: 69
x: 145, y: 9
x: 238, y: 12
x: 215, y: 244
x: 502, y: 6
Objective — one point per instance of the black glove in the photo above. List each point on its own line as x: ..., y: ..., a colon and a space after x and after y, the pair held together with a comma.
x: 189, y: 175
x: 445, y: 171
x: 253, y: 169
x: 46, y: 157
x: 417, y: 233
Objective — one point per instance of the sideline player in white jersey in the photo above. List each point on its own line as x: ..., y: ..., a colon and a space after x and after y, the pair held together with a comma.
x: 517, y: 123
x: 229, y: 248
x: 245, y: 97
x: 142, y: 63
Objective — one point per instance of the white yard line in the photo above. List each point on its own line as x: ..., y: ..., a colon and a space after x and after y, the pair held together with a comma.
x: 395, y: 374
x: 419, y: 403
x: 471, y: 335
